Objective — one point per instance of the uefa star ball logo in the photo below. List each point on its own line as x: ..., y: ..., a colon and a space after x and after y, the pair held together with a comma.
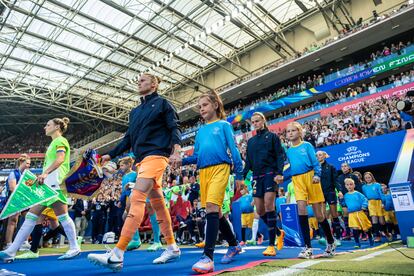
x: 352, y: 149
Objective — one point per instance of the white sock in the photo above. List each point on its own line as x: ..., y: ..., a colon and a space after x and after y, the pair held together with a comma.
x: 70, y: 230
x: 173, y: 247
x: 255, y: 228
x: 119, y: 253
x: 24, y: 232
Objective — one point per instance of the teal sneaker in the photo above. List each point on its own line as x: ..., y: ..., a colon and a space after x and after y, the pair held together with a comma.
x: 338, y: 243
x: 155, y: 247
x: 231, y: 253
x: 132, y: 245
x: 322, y: 241
x: 28, y: 255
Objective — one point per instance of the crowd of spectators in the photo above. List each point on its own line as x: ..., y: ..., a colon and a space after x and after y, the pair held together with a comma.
x: 306, y: 82
x: 314, y: 47
x: 367, y: 120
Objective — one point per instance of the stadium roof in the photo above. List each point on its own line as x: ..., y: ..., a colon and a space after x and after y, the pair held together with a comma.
x: 81, y: 55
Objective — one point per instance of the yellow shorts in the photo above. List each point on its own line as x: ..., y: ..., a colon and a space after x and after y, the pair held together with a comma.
x: 358, y: 220
x: 247, y: 220
x: 153, y: 167
x: 390, y: 217
x: 213, y: 183
x: 375, y: 208
x: 306, y: 190
x: 48, y: 212
x: 313, y: 223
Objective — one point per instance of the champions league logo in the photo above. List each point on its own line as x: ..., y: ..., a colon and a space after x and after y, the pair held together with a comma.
x: 353, y: 156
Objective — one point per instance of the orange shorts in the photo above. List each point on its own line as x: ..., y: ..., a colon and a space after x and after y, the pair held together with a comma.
x: 153, y: 167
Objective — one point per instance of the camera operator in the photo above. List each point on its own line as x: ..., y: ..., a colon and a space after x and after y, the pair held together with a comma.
x: 406, y: 109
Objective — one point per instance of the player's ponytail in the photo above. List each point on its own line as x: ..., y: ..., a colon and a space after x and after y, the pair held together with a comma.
x: 62, y: 123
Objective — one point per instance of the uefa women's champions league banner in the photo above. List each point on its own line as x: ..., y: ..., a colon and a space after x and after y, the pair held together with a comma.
x: 366, y: 152
x: 341, y: 82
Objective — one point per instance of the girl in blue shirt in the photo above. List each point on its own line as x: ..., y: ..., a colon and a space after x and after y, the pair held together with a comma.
x: 373, y: 191
x: 213, y: 143
x: 357, y: 205
x: 306, y: 171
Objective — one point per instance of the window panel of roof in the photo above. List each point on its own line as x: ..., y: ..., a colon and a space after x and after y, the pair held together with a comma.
x: 234, y: 35
x: 8, y: 35
x: 283, y: 11
x: 211, y: 45
x: 55, y: 64
x: 134, y: 45
x: 105, y: 13
x: 82, y: 43
x: 47, y: 74
x: 99, y: 78
x: 54, y: 13
x: 205, y: 16
x: 92, y: 29
x: 14, y: 65
x: 18, y: 19
x: 186, y: 7
x: 31, y: 41
x: 149, y: 34
x: 22, y: 54
x: 185, y: 70
x: 87, y: 84
x: 108, y: 68
x: 239, y: 38
x: 69, y: 55
x: 166, y: 20
x: 41, y: 28
x: 120, y: 58
x: 26, y: 5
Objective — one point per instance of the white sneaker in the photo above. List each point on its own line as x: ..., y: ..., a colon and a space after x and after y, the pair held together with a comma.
x: 306, y: 253
x: 168, y: 256
x: 109, y: 260
x: 330, y: 250
x: 25, y: 246
x: 70, y: 254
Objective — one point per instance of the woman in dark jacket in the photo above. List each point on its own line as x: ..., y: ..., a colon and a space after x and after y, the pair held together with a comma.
x: 329, y: 185
x: 265, y: 158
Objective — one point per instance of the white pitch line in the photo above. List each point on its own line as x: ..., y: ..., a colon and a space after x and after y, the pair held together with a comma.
x: 297, y: 268
x: 372, y: 255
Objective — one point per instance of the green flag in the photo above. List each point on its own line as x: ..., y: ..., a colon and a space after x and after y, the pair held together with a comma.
x: 26, y: 195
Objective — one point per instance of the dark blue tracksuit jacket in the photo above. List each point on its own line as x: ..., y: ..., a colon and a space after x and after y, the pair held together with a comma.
x: 153, y: 129
x: 264, y: 154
